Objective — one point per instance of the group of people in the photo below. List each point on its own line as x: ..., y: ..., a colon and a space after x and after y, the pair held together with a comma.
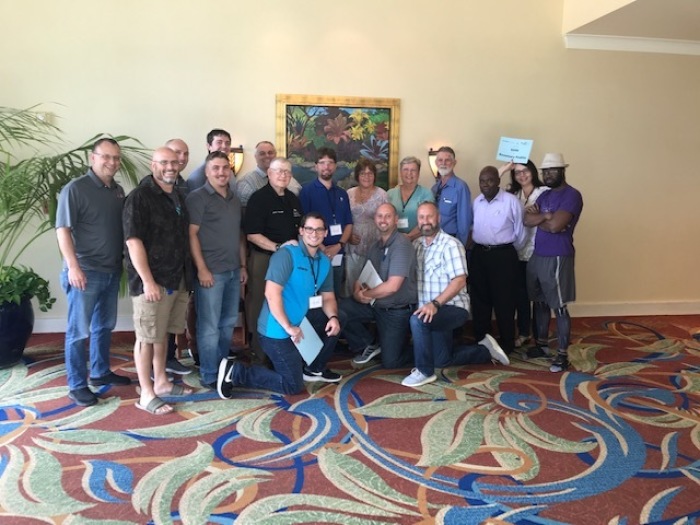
x: 298, y: 252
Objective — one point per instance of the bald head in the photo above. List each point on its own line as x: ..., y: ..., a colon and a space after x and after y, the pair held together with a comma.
x: 386, y: 218
x: 164, y: 166
x: 182, y: 151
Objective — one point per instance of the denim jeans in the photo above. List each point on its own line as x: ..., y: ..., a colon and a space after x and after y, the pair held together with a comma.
x: 433, y: 344
x: 217, y: 313
x: 392, y: 330
x: 287, y: 374
x: 92, y: 313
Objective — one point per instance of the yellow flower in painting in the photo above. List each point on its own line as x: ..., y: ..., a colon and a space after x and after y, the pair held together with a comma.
x: 357, y: 133
x: 358, y: 116
x: 370, y: 127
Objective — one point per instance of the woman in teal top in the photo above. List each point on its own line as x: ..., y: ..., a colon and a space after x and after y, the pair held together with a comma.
x: 408, y: 195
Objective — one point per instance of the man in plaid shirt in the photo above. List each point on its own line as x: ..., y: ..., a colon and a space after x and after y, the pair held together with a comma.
x: 444, y: 304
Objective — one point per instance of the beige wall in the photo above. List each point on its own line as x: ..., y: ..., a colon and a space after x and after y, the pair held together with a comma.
x: 466, y: 73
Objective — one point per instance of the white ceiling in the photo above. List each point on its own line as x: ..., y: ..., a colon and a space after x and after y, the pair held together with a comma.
x: 662, y: 26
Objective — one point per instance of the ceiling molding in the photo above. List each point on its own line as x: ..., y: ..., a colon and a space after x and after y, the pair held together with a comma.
x: 633, y: 44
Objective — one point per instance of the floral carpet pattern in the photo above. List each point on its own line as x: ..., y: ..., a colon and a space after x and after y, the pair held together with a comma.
x: 615, y: 440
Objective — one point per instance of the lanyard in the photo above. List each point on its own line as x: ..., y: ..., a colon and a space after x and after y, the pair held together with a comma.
x: 408, y: 200
x: 331, y: 201
x: 313, y: 272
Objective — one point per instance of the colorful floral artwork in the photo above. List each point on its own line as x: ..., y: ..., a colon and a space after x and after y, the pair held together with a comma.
x: 353, y: 127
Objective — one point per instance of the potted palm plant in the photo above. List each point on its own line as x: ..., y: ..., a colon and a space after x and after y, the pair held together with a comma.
x: 32, y: 172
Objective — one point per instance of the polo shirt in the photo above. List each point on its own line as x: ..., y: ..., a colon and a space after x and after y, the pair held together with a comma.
x: 454, y: 202
x: 161, y: 221
x: 277, y: 217
x: 499, y: 221
x: 333, y: 204
x: 395, y: 258
x: 219, y: 221
x: 93, y: 212
x: 301, y: 277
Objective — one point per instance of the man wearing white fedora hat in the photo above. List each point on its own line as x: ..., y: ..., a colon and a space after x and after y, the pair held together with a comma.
x: 550, y: 271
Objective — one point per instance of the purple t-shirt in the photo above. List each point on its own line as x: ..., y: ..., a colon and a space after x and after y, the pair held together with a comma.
x: 552, y: 244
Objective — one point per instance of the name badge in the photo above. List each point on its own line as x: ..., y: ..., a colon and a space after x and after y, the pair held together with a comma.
x: 403, y: 223
x: 336, y: 229
x: 315, y: 301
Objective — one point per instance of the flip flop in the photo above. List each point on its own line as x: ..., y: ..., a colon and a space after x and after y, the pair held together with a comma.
x: 178, y: 390
x: 153, y: 406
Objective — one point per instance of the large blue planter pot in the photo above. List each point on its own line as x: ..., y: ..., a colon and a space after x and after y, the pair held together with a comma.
x: 16, y: 325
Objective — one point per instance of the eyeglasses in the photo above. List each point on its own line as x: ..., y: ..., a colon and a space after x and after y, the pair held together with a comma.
x: 520, y: 172
x: 106, y: 157
x: 281, y: 171
x: 167, y: 162
x: 310, y: 230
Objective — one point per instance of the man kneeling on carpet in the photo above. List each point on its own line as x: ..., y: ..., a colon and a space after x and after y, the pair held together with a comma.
x: 299, y: 283
x: 442, y: 294
x: 158, y: 264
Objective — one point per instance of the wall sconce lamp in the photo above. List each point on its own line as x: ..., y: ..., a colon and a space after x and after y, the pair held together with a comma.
x: 235, y: 159
x: 432, y: 154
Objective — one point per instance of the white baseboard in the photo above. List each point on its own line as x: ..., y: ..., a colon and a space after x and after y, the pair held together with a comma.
x: 630, y: 309
x: 49, y: 325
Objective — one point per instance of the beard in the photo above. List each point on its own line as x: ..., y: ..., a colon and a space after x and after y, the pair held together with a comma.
x: 427, y: 230
x: 444, y: 171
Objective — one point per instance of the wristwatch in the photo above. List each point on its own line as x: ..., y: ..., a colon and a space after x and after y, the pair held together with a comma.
x: 436, y: 303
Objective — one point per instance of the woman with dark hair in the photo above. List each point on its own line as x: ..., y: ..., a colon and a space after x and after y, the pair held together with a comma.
x: 525, y: 184
x: 365, y: 198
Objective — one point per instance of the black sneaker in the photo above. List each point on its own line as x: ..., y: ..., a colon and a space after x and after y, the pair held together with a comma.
x: 176, y: 367
x: 560, y: 363
x: 326, y: 376
x: 83, y: 397
x: 109, y: 379
x: 224, y: 380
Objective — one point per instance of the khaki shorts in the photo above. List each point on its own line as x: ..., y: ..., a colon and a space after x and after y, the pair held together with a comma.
x: 153, y: 321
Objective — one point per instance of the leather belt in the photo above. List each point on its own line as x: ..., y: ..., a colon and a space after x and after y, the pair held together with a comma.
x: 489, y: 247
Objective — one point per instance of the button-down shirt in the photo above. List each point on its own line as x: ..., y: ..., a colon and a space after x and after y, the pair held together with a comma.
x: 454, y: 202
x: 498, y: 221
x: 438, y: 263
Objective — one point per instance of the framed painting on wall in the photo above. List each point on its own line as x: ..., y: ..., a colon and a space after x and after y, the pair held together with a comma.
x: 354, y: 127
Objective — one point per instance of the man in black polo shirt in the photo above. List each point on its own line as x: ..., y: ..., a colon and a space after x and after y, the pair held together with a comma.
x: 158, y: 265
x: 390, y: 303
x: 273, y: 218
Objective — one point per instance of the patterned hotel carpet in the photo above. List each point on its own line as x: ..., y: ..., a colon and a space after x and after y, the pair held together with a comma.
x: 615, y: 440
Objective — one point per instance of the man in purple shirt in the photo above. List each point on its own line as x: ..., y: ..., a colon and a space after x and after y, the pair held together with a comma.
x: 550, y: 271
x: 498, y: 233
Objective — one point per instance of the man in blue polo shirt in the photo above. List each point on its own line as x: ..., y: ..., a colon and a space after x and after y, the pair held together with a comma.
x: 299, y: 284
x: 330, y: 200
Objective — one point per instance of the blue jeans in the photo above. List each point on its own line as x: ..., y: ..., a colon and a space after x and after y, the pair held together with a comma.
x: 287, y: 374
x: 217, y: 313
x: 392, y: 330
x: 433, y: 344
x: 91, y: 313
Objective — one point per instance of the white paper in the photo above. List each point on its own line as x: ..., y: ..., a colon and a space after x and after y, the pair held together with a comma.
x: 369, y: 278
x: 337, y: 259
x: 310, y: 346
x: 515, y: 150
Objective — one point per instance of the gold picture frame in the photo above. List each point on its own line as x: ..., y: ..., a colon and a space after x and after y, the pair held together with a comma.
x: 355, y: 127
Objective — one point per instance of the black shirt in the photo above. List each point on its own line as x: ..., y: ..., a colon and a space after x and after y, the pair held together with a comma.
x: 162, y: 224
x: 277, y: 217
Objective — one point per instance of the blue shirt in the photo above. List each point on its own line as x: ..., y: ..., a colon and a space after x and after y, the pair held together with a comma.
x: 333, y: 205
x: 301, y: 277
x: 454, y: 202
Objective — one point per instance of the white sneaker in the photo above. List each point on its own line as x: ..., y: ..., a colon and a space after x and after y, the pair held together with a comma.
x: 497, y: 353
x: 417, y: 378
x: 369, y: 353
